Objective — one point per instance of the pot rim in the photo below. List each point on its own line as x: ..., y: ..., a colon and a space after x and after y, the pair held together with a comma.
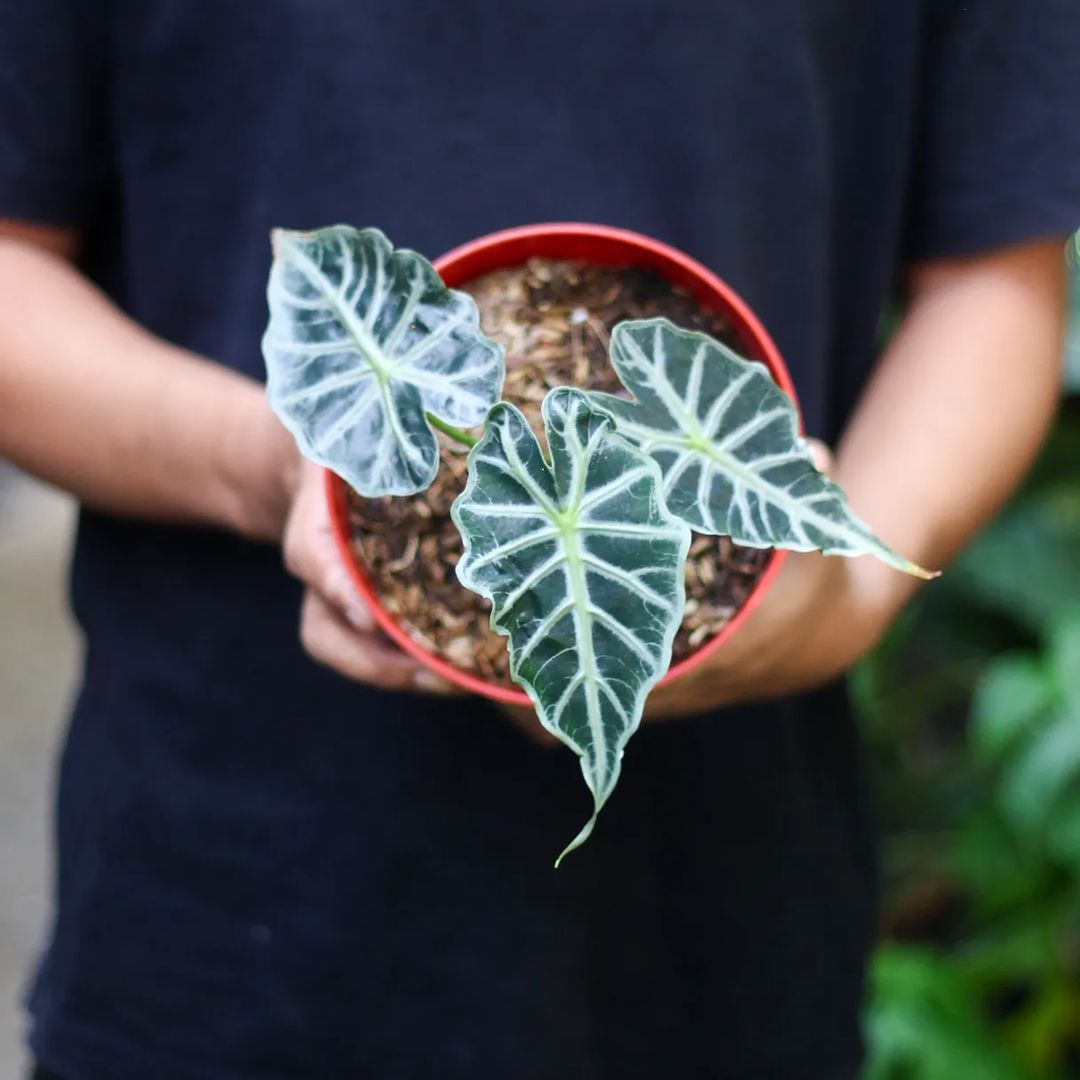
x: 598, y: 244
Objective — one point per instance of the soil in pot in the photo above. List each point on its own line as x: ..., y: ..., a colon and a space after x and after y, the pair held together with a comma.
x: 554, y: 318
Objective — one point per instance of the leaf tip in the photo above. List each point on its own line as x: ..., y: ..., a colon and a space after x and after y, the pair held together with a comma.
x: 578, y: 840
x: 898, y: 562
x: 921, y: 572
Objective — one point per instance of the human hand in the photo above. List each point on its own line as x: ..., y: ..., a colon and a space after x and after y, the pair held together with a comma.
x: 336, y: 627
x: 821, y: 615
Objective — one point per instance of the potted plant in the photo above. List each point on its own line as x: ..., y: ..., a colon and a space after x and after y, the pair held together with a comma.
x: 640, y: 454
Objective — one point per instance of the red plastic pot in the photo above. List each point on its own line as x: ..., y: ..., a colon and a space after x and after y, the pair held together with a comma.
x: 606, y: 246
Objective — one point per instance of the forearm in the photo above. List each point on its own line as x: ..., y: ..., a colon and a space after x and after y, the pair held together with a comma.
x: 126, y: 422
x: 956, y: 410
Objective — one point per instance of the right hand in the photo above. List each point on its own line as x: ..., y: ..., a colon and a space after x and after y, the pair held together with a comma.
x: 336, y: 627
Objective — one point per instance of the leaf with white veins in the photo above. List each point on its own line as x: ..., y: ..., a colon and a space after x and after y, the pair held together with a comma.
x: 583, y: 565
x: 364, y: 340
x: 726, y: 438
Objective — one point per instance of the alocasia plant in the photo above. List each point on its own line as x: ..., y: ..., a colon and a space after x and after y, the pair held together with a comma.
x: 583, y: 564
x: 581, y: 548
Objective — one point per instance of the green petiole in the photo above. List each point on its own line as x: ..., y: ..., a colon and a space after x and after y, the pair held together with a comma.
x: 456, y: 434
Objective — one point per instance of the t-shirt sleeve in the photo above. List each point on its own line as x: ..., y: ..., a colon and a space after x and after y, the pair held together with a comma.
x: 53, y: 156
x: 997, y: 153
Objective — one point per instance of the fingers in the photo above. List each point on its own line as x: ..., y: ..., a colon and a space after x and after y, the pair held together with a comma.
x: 822, y: 455
x: 311, y: 555
x: 366, y: 657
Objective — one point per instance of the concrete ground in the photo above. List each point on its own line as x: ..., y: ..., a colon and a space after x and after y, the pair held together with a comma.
x: 39, y: 654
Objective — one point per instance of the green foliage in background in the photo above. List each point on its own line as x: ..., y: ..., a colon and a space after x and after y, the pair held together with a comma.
x: 972, y: 710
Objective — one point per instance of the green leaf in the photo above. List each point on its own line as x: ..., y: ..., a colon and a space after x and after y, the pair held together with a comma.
x: 364, y: 340
x: 583, y: 565
x: 924, y: 1022
x: 726, y: 438
x: 1063, y: 831
x: 1040, y: 775
x: 1065, y: 657
x: 999, y: 873
x: 1024, y: 565
x: 1011, y: 697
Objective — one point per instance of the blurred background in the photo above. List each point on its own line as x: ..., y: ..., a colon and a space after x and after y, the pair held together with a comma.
x: 971, y: 712
x: 971, y: 709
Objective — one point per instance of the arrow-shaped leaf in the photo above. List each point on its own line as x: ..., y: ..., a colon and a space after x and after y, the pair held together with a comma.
x: 583, y: 565
x: 726, y: 438
x: 364, y: 340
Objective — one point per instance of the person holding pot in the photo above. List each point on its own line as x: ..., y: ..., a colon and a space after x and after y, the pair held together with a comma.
x: 297, y: 856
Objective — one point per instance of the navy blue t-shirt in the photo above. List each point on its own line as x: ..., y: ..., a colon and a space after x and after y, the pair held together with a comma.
x: 267, y: 872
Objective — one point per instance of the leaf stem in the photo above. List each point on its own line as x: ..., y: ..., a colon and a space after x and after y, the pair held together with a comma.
x: 456, y: 434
